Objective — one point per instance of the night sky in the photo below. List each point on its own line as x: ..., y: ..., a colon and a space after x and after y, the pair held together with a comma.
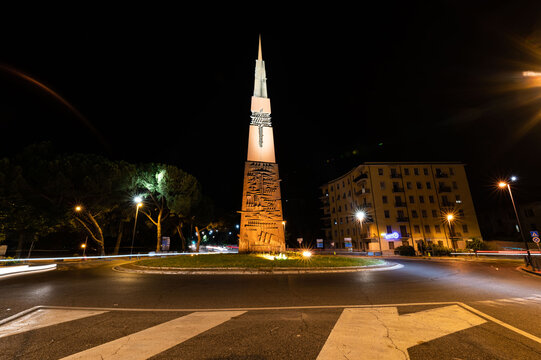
x: 394, y: 82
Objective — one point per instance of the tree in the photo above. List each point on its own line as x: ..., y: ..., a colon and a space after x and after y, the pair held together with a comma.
x: 168, y: 190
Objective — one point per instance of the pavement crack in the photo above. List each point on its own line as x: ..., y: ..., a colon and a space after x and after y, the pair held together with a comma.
x: 387, y: 335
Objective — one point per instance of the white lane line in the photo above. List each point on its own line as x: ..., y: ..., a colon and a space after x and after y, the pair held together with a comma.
x: 152, y: 341
x: 380, y: 333
x: 43, y: 317
x: 505, y: 325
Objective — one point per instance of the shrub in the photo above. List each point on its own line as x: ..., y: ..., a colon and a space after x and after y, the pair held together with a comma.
x: 476, y: 244
x: 439, y: 250
x: 405, y: 250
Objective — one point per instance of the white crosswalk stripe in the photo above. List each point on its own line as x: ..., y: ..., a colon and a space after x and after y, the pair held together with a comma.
x: 149, y: 342
x: 42, y: 318
x: 527, y: 300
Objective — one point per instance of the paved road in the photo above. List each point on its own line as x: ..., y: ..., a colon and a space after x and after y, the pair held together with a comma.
x: 427, y: 309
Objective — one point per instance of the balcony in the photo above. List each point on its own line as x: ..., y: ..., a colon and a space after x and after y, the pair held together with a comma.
x: 396, y: 176
x: 402, y: 219
x: 446, y: 203
x: 398, y: 189
x: 360, y: 177
x: 443, y: 189
x: 400, y: 204
x: 362, y: 192
x: 441, y: 175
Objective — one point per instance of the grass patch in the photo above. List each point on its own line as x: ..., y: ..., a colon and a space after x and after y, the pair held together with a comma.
x: 255, y: 261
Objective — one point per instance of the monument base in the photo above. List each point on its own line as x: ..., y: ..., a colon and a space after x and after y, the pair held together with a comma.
x: 261, y: 224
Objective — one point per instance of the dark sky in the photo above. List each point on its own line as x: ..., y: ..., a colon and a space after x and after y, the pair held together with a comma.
x: 390, y: 82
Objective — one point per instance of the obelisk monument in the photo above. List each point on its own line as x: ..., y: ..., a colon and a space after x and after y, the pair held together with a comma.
x: 261, y: 223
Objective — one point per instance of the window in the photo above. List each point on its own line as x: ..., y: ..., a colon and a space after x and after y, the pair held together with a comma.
x: 332, y: 199
x: 403, y: 231
x: 338, y: 197
x: 339, y: 209
x: 380, y: 171
x: 341, y: 221
x: 416, y: 171
x: 408, y: 185
x: 347, y: 218
x: 461, y: 213
x: 384, y: 199
x: 332, y: 188
x: 423, y: 212
x: 414, y: 214
x: 348, y: 182
x: 451, y: 171
x: 419, y: 185
x: 422, y: 199
x: 387, y: 215
x: 347, y: 231
x: 458, y: 200
x: 349, y: 193
x: 382, y: 185
x: 406, y: 171
x: 335, y: 233
x: 428, y: 185
x: 333, y: 210
x: 416, y: 229
x: 344, y: 196
x: 337, y: 186
x: 427, y: 228
x: 434, y: 213
x: 437, y: 229
x: 465, y: 228
x: 343, y: 184
x: 400, y: 213
x: 389, y: 229
x: 345, y: 207
x: 391, y: 245
x: 529, y: 212
x: 412, y: 199
x: 455, y: 186
x: 335, y: 222
x: 431, y: 199
x: 425, y: 171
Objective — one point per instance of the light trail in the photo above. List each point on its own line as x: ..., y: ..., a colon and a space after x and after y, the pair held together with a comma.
x: 114, y: 256
x: 53, y: 93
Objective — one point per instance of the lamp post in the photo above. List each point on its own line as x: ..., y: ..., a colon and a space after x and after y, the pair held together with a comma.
x: 361, y: 216
x: 501, y: 185
x: 84, y: 246
x: 450, y: 218
x: 137, y: 200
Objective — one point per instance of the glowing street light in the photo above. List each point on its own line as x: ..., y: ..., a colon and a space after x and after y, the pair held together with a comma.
x: 361, y: 216
x: 78, y: 208
x: 83, y: 246
x: 504, y: 184
x: 138, y: 200
x: 450, y: 217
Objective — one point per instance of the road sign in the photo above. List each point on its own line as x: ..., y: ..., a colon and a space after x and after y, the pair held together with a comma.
x: 535, y: 236
x: 347, y: 242
x: 319, y: 243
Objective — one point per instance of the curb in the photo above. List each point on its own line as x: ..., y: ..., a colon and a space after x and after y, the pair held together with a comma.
x: 530, y: 271
x: 252, y: 271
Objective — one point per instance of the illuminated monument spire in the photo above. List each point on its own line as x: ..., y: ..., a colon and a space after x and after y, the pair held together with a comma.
x: 261, y: 227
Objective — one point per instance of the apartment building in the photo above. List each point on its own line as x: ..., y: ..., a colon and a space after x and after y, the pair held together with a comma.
x: 401, y: 203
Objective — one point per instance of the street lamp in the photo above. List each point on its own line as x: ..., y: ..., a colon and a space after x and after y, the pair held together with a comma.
x: 78, y: 208
x: 450, y: 217
x: 361, y: 216
x: 501, y: 185
x: 137, y: 200
x: 83, y: 246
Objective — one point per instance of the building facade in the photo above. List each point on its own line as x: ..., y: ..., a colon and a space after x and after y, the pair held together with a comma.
x: 261, y: 221
x: 402, y: 203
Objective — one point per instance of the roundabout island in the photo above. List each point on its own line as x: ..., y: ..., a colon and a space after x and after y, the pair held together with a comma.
x: 283, y: 263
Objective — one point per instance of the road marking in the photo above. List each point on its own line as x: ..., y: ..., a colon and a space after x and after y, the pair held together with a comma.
x: 43, y: 317
x: 152, y: 341
x: 505, y: 325
x: 380, y: 333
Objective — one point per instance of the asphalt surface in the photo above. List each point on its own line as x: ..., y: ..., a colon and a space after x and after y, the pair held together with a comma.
x: 284, y: 316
